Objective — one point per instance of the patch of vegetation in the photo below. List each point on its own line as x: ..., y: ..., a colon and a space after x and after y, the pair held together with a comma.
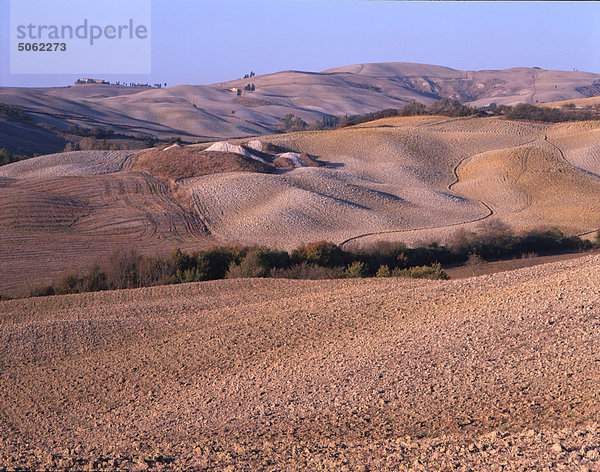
x: 433, y: 272
x: 445, y: 107
x: 568, y: 112
x: 451, y: 108
x: 7, y: 157
x: 307, y: 271
x: 319, y: 260
x: 15, y: 112
x: 96, y: 132
x: 292, y: 123
x: 356, y: 270
x: 91, y: 144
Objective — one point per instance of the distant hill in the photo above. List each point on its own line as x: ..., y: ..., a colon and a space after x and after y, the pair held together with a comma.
x: 207, y: 112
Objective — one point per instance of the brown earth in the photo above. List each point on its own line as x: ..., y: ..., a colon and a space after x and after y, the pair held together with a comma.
x: 69, y: 211
x: 498, y: 372
x: 184, y: 163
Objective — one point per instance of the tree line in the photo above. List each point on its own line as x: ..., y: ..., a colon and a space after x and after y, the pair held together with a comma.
x: 318, y: 260
x: 450, y: 108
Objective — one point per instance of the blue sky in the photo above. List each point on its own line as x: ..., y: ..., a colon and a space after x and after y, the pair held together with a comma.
x: 207, y: 41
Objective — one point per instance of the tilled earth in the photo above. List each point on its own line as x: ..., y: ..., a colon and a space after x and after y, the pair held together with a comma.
x: 499, y: 372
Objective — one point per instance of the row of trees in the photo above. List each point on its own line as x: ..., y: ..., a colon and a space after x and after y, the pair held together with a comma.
x: 119, y: 83
x: 319, y: 260
x: 568, y: 112
x: 14, y: 112
x: 450, y: 108
x: 91, y: 143
x: 444, y: 107
x: 96, y: 132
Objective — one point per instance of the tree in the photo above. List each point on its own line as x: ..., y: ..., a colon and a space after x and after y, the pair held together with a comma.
x: 413, y: 109
x: 292, y: 123
x: 6, y: 157
x: 87, y: 143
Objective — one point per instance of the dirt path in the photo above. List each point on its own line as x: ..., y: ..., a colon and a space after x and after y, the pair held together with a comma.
x: 534, y: 90
x: 488, y: 209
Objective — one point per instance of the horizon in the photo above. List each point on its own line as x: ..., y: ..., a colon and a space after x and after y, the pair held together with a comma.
x: 292, y: 35
x: 150, y: 83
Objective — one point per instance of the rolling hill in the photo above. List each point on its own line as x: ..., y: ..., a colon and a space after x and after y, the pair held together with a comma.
x: 209, y: 112
x: 412, y: 179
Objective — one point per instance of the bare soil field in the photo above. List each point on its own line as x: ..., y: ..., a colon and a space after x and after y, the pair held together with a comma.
x: 415, y: 179
x: 486, y: 268
x: 498, y: 372
x: 67, y: 212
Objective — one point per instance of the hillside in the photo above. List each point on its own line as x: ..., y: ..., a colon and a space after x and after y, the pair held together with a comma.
x: 372, y: 374
x: 414, y: 179
x: 209, y: 112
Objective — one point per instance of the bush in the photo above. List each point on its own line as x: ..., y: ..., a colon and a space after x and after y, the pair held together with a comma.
x: 434, y: 272
x: 525, y: 111
x: 71, y: 146
x: 356, y: 270
x: 307, y: 271
x: 383, y: 271
x: 413, y: 109
x: 97, y: 132
x: 87, y: 144
x: 322, y: 253
x: 123, y: 269
x: 6, y: 157
x: 292, y: 123
x: 258, y: 262
x: 447, y: 107
x: 14, y: 112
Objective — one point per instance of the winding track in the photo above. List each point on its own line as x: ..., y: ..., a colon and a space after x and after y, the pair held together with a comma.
x: 489, y: 209
x: 480, y: 202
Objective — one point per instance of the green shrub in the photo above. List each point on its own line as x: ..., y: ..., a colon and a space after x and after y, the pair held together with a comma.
x: 322, y: 253
x: 307, y: 271
x: 383, y: 271
x: 433, y: 271
x: 356, y: 270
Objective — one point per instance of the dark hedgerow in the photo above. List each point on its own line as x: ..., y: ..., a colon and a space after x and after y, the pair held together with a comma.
x: 320, y: 260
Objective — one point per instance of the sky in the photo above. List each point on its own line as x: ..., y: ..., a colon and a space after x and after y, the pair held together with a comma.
x: 210, y: 41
